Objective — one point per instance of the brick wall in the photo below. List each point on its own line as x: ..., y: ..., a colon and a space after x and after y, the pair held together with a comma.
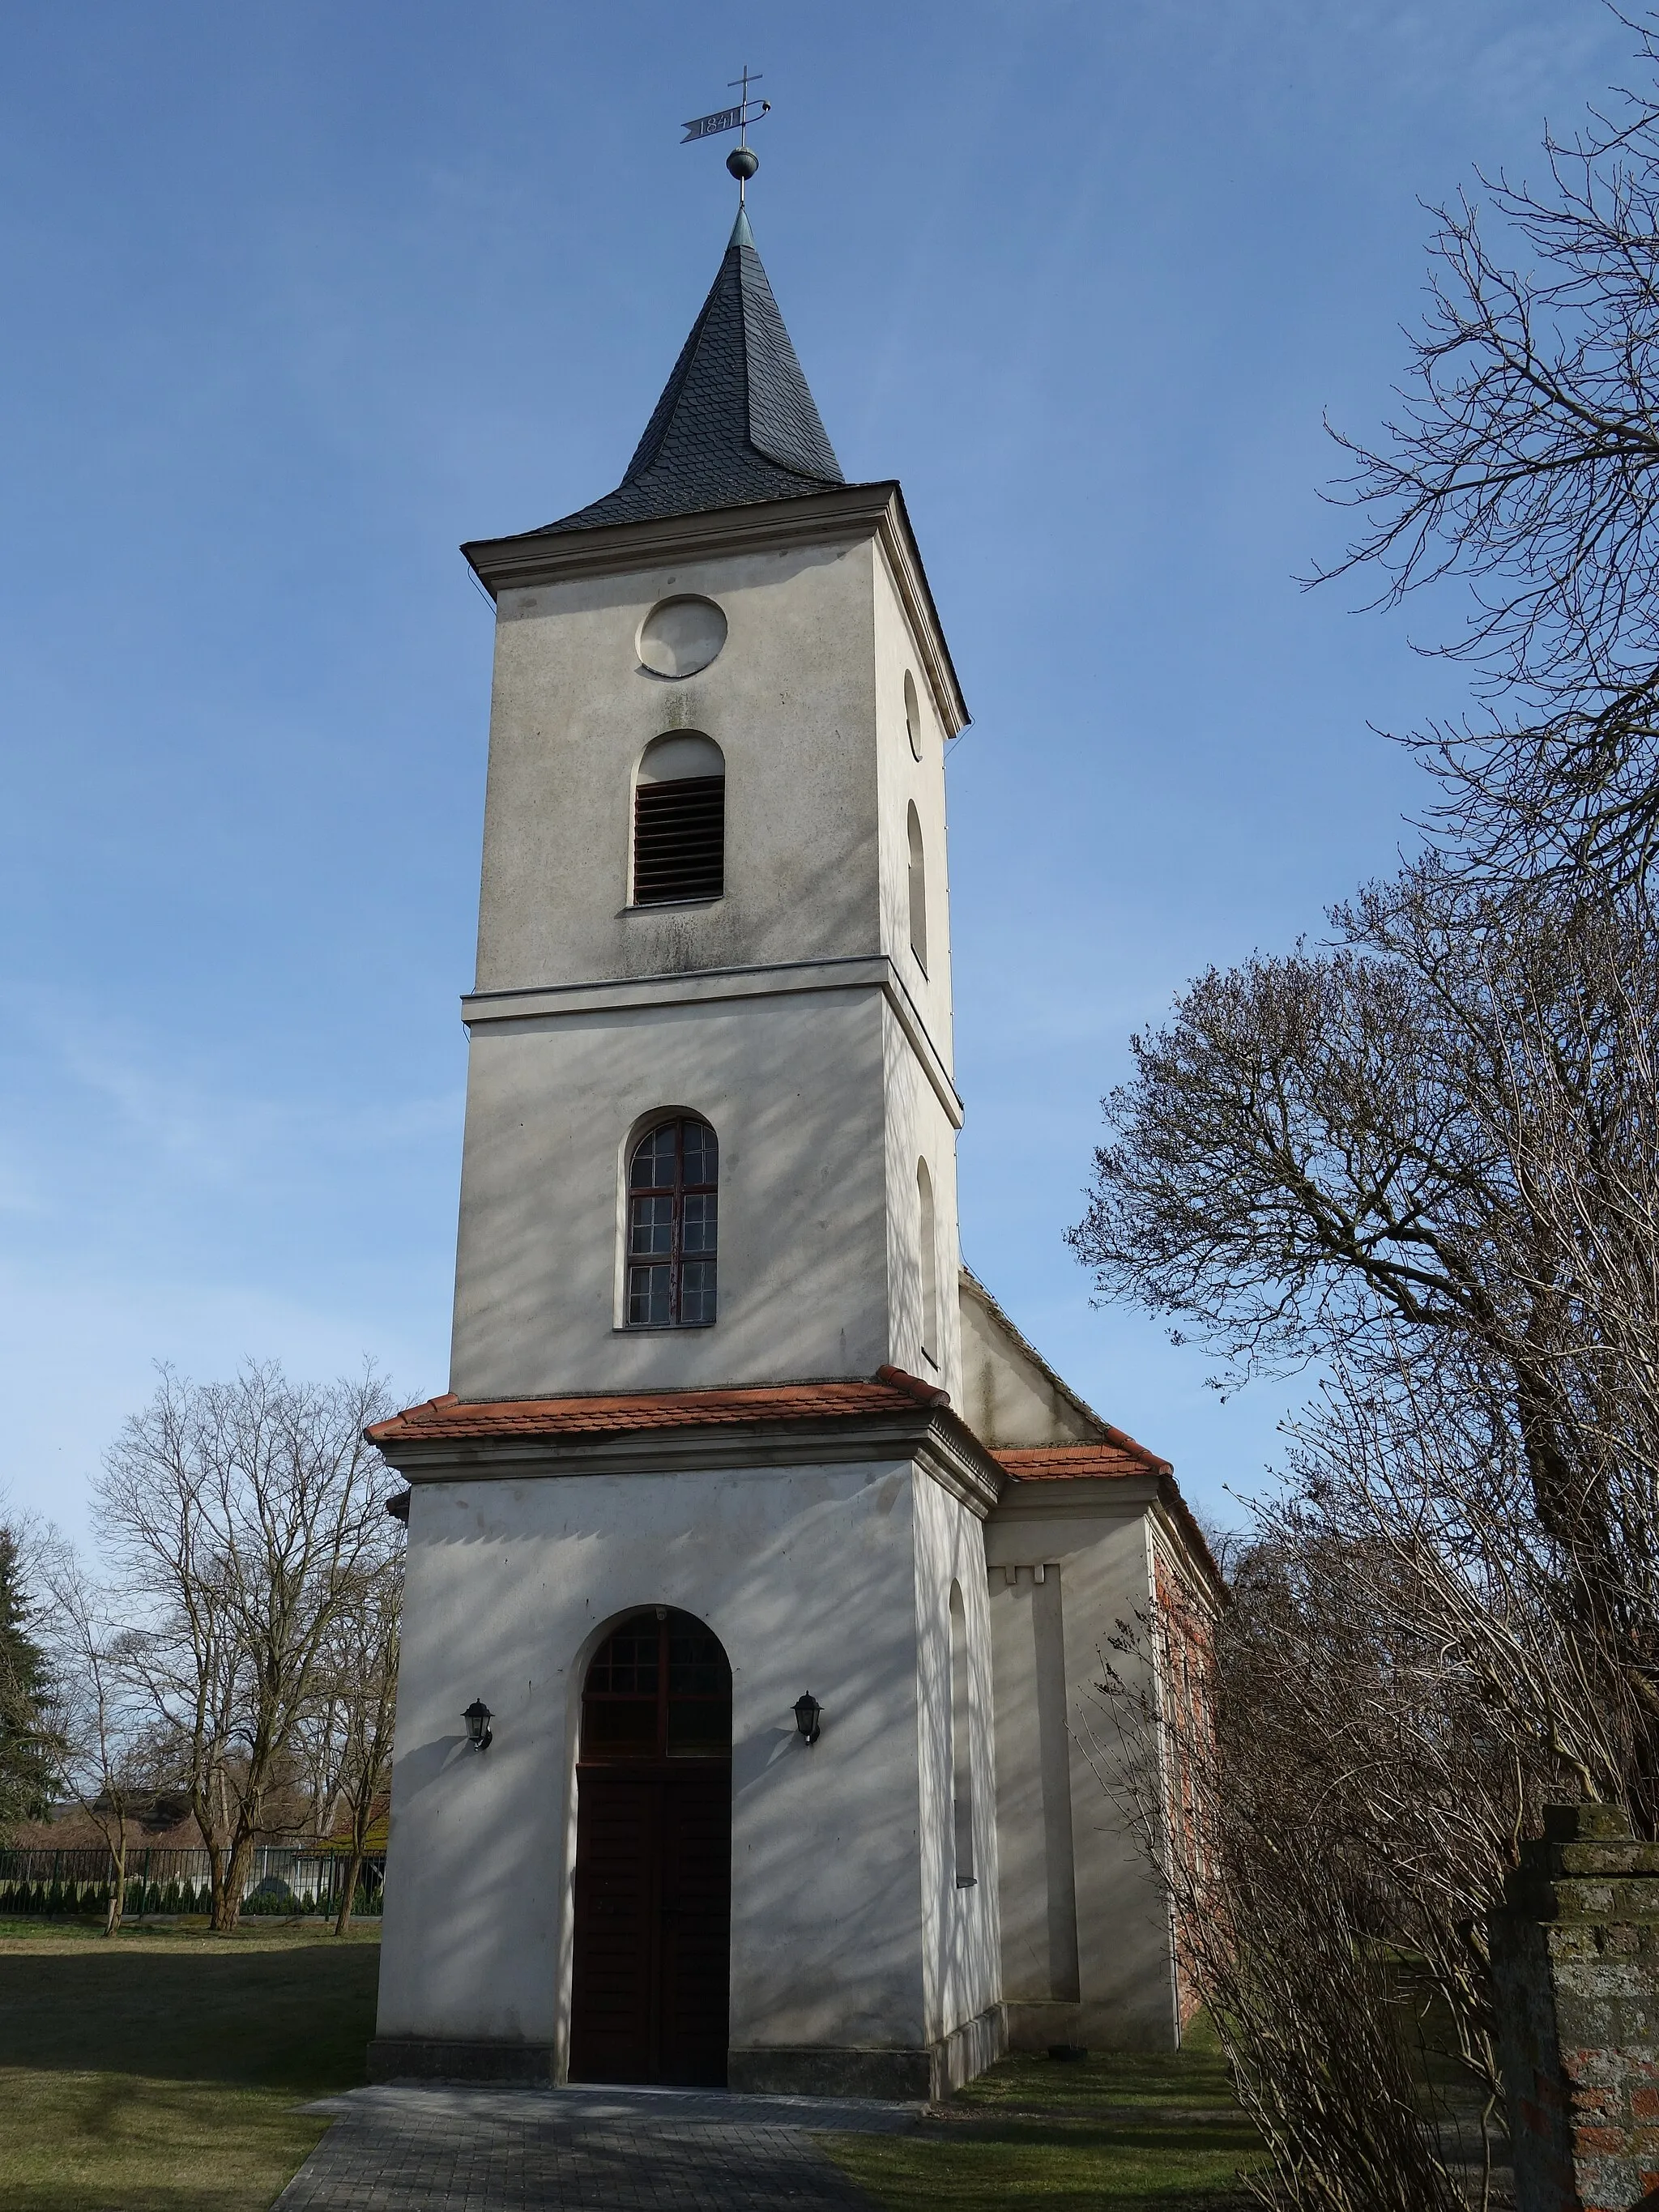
x: 1576, y: 1964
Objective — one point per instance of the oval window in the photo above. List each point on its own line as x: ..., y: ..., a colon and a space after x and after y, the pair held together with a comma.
x: 679, y: 636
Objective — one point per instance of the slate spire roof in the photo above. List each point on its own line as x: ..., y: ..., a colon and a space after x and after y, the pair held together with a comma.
x: 736, y: 424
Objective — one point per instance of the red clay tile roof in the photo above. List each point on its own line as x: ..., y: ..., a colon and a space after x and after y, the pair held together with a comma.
x: 626, y: 1413
x: 1121, y: 1456
x: 890, y: 1390
x: 1116, y: 1455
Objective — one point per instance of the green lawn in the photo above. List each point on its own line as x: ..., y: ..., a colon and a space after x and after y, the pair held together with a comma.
x: 160, y: 2071
x: 1111, y: 2133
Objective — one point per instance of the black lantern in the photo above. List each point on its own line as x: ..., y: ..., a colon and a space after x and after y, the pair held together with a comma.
x: 807, y: 1710
x: 478, y: 1717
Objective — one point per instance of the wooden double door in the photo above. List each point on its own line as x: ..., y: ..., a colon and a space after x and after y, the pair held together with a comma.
x: 650, y: 1999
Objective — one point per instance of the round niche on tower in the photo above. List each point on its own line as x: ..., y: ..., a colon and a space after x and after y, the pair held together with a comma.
x: 681, y: 635
x: 912, y: 714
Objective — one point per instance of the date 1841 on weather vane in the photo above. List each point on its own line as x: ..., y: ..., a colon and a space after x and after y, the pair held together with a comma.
x: 742, y: 161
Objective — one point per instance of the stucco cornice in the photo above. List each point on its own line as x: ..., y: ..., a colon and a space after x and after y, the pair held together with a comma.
x: 847, y: 515
x: 1119, y: 1498
x: 931, y: 1436
x: 1183, y: 1545
x: 544, y: 1002
x: 1107, y: 1497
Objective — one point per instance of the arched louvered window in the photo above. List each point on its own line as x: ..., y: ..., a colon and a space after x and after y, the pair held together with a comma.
x: 918, y: 890
x: 679, y: 821
x: 673, y: 1226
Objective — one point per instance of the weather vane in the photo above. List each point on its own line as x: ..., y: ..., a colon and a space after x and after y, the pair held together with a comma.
x: 742, y: 161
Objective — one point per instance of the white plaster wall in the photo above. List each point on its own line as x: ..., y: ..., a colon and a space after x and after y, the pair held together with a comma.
x: 795, y: 1089
x: 809, y: 1577
x: 1006, y: 1398
x: 790, y: 701
x: 1095, y: 1537
x: 1034, y: 1788
x: 963, y: 1942
x: 918, y: 1128
x: 820, y: 1103
x: 903, y: 780
x: 806, y: 703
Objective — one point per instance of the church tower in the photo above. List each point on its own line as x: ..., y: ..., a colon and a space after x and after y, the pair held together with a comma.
x: 713, y: 881
x: 700, y: 1775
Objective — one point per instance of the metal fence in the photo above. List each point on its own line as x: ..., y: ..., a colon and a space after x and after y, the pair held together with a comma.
x: 282, y: 1880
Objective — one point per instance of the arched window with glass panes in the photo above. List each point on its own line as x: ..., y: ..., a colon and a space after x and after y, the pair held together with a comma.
x: 673, y: 1226
x: 660, y: 1687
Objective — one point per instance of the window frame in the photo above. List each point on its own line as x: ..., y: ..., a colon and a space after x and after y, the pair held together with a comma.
x: 676, y: 1192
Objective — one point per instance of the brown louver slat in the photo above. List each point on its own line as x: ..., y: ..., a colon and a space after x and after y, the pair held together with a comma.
x: 679, y: 840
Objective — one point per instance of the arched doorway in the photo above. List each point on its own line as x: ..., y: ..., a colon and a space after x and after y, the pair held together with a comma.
x: 651, y: 1983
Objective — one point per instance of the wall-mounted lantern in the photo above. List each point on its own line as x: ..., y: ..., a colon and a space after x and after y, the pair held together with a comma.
x: 807, y: 1711
x: 478, y: 1717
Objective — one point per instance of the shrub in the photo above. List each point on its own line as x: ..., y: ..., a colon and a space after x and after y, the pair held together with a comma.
x: 272, y: 1898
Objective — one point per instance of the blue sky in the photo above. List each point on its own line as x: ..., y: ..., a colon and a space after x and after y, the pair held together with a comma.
x: 299, y: 298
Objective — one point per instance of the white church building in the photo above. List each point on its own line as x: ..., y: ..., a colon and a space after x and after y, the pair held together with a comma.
x: 756, y: 1563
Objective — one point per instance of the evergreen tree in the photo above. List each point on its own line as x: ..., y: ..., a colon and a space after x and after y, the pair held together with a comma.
x: 27, y: 1769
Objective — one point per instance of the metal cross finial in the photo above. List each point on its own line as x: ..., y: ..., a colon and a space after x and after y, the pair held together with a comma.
x: 742, y: 161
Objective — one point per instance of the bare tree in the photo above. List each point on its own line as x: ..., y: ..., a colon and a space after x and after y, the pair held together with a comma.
x: 1329, y: 1805
x: 318, y: 1749
x: 343, y: 1738
x: 363, y: 1664
x: 1424, y: 1158
x: 1525, y: 460
x: 1438, y: 1134
x: 98, y: 1713
x: 243, y: 1518
x: 1405, y: 1675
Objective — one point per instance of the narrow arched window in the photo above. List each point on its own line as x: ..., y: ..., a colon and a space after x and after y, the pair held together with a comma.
x: 961, y: 1743
x: 679, y: 821
x: 929, y: 1255
x: 673, y: 1204
x: 918, y: 891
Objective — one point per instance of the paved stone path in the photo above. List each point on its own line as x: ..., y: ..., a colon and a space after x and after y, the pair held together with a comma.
x: 431, y: 2149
